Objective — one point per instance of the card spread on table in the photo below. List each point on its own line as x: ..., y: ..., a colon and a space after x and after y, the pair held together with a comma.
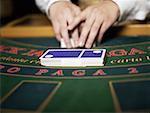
x: 73, y: 57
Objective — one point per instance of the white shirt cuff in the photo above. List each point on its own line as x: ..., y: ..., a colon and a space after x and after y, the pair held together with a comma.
x: 133, y: 9
x: 123, y: 5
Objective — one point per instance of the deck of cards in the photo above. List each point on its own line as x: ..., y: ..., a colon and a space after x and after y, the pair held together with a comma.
x: 73, y: 57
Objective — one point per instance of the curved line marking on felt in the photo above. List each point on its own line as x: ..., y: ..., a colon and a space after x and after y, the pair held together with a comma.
x: 43, y: 104
x: 76, y: 67
x: 71, y: 77
x: 113, y: 92
x: 32, y: 45
x: 24, y: 44
x: 114, y: 97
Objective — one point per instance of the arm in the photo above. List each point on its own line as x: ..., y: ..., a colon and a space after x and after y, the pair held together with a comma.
x: 133, y: 9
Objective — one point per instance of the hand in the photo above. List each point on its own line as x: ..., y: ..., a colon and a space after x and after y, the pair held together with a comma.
x: 98, y: 18
x: 62, y: 14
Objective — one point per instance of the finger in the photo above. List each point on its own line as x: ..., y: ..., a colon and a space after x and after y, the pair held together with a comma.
x: 56, y: 28
x: 74, y: 34
x: 93, y: 32
x: 64, y: 32
x: 69, y: 15
x: 75, y: 37
x: 103, y: 29
x: 85, y: 31
x: 77, y: 20
x: 81, y: 27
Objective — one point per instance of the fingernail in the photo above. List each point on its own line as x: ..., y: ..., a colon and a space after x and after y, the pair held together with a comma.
x: 69, y: 45
x: 58, y: 37
x: 80, y: 44
x: 76, y: 44
x: 94, y: 45
x: 62, y: 39
x: 87, y: 46
x: 72, y: 43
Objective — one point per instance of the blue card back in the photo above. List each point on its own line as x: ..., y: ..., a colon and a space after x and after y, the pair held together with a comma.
x: 74, y: 53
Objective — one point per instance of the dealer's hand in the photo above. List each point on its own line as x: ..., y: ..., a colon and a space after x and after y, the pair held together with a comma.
x: 62, y: 14
x: 98, y: 18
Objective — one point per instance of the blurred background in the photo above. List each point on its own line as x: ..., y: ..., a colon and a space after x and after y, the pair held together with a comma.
x: 13, y: 9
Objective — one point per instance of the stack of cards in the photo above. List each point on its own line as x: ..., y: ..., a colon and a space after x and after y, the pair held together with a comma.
x: 73, y: 57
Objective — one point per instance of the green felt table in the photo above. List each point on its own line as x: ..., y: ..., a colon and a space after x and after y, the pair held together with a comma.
x: 123, y: 84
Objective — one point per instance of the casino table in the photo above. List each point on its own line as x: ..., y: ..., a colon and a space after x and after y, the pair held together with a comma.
x: 122, y: 85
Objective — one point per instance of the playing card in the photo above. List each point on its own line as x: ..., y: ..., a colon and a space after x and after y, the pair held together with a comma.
x: 73, y: 57
x: 63, y: 45
x: 74, y: 53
